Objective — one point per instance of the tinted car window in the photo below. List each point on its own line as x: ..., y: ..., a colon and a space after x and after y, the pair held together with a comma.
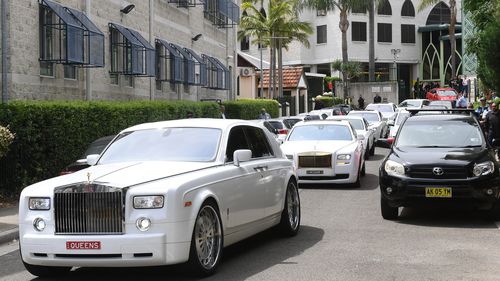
x: 369, y: 116
x: 320, y: 132
x: 440, y: 133
x: 236, y: 140
x: 289, y: 123
x: 446, y: 93
x: 259, y: 145
x: 276, y: 124
x: 168, y: 144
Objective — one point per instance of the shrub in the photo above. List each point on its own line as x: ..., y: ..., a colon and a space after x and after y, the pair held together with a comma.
x: 250, y: 109
x: 6, y: 138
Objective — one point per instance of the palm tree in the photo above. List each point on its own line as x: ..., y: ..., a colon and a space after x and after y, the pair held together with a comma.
x: 344, y: 7
x: 277, y: 30
x: 451, y: 29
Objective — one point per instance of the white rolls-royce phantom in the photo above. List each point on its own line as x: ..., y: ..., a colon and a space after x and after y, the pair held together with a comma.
x: 161, y: 193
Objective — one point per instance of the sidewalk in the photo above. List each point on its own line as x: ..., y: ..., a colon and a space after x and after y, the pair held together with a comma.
x: 8, y: 224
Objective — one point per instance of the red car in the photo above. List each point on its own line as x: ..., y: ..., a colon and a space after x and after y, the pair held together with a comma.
x: 442, y: 94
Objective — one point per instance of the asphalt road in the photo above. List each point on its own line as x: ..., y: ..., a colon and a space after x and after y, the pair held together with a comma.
x: 342, y: 237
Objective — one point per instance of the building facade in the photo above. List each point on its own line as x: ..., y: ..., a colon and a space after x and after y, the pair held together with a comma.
x: 117, y: 50
x: 408, y: 44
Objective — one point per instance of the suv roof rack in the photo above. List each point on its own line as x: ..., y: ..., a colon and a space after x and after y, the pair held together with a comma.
x: 414, y: 111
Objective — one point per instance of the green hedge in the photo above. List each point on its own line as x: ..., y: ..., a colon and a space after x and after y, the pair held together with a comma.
x: 250, y: 109
x: 330, y: 101
x: 51, y: 135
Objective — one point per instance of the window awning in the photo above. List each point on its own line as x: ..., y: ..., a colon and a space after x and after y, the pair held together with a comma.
x: 142, y: 54
x: 219, y: 76
x: 435, y: 27
x: 189, y: 65
x: 173, y: 71
x: 82, y: 43
x: 200, y: 68
x: 230, y: 10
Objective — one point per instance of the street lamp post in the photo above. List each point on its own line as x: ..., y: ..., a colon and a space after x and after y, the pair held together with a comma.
x: 395, y: 53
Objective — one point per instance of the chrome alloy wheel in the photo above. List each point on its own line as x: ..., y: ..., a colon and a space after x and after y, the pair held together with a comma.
x: 207, y: 235
x: 293, y: 206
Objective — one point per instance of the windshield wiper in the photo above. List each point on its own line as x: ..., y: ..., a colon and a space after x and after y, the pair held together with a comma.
x: 430, y: 146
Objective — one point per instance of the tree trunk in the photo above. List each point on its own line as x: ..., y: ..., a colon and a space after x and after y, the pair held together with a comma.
x: 344, y: 25
x: 453, y: 43
x: 280, y: 69
x: 270, y: 88
x: 371, y: 42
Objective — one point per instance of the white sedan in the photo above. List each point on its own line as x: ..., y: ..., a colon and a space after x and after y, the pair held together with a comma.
x: 161, y: 193
x: 326, y: 152
x: 376, y: 121
x: 362, y: 127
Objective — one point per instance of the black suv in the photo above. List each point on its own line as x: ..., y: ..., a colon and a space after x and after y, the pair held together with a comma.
x: 438, y: 157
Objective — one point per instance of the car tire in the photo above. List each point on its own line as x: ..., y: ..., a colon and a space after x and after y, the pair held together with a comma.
x: 388, y: 212
x: 363, y: 169
x: 494, y: 213
x: 206, y: 241
x: 290, y: 217
x: 357, y: 183
x: 46, y: 271
x: 367, y: 154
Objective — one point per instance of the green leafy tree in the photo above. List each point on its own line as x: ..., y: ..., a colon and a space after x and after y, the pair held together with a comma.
x: 451, y: 29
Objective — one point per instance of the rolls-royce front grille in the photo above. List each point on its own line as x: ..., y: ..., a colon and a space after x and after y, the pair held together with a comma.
x: 315, y: 161
x: 89, y: 213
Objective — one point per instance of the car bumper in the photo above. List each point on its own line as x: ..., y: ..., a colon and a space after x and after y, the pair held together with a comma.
x: 411, y: 192
x: 339, y: 175
x: 135, y: 249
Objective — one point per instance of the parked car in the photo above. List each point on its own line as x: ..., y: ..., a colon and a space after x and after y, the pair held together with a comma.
x: 401, y: 115
x: 376, y: 121
x: 442, y: 94
x: 326, y: 152
x: 388, y: 110
x: 362, y: 127
x: 438, y: 159
x: 96, y: 147
x: 291, y: 121
x: 161, y: 193
x: 414, y: 103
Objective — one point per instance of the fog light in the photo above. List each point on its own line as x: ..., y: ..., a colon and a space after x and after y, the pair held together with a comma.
x: 489, y: 191
x: 143, y: 224
x: 388, y: 190
x: 39, y: 224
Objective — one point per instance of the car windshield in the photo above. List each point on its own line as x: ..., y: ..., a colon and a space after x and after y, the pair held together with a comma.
x: 276, y: 124
x: 446, y: 93
x: 166, y: 144
x: 380, y: 107
x: 320, y: 132
x: 289, y: 123
x: 440, y: 133
x: 371, y: 117
x: 401, y: 117
x: 357, y: 124
x: 411, y: 103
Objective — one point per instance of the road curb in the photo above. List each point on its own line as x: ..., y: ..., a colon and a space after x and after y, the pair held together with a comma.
x: 9, y: 235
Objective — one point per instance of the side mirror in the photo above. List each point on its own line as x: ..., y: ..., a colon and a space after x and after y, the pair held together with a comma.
x: 241, y: 155
x: 92, y: 159
x: 385, y: 143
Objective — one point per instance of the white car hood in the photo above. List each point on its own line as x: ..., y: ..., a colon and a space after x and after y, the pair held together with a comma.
x: 123, y: 174
x: 294, y: 147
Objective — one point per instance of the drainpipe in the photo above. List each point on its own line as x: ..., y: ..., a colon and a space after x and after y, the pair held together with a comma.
x: 88, y: 82
x: 152, y: 86
x: 5, y: 32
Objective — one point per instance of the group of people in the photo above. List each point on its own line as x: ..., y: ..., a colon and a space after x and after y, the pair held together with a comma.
x: 459, y: 83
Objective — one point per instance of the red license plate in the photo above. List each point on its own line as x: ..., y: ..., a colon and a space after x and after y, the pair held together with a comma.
x: 83, y: 245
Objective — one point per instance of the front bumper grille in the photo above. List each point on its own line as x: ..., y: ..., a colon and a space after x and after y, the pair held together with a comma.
x: 449, y: 172
x: 88, y: 212
x: 318, y: 160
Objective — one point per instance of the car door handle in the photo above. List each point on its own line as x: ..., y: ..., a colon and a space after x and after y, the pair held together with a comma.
x: 260, y: 168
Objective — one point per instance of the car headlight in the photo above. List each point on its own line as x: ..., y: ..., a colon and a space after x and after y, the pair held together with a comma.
x: 344, y: 157
x: 483, y: 169
x: 39, y: 203
x: 148, y: 202
x: 394, y: 168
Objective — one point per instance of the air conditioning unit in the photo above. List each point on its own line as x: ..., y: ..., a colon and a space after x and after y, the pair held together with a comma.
x: 247, y: 71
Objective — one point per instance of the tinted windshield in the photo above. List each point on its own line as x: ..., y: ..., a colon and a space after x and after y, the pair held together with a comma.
x: 411, y: 103
x: 446, y: 93
x: 369, y: 116
x: 380, y: 107
x: 440, y: 133
x: 276, y: 124
x: 289, y: 123
x: 320, y: 132
x: 167, y: 144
